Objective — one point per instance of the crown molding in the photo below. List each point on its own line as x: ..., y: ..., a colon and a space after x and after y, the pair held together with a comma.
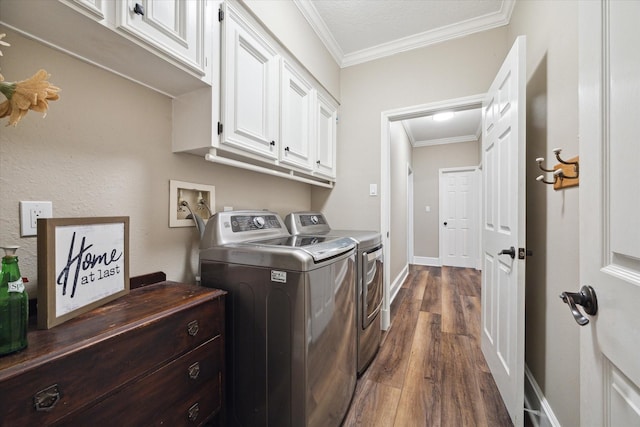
x: 312, y: 16
x: 450, y: 32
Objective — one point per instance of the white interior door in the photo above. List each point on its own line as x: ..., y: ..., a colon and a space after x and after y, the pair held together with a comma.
x: 503, y: 227
x: 609, y: 211
x: 458, y: 217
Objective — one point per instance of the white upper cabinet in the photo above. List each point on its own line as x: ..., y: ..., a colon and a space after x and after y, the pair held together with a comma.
x: 166, y: 45
x: 296, y: 123
x: 175, y: 27
x: 250, y: 98
x: 269, y: 115
x: 97, y: 9
x: 326, y: 120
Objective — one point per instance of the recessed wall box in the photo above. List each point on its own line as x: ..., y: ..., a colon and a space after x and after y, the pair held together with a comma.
x: 200, y: 198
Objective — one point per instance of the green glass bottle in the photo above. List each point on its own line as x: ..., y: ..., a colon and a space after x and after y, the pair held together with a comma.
x: 14, y: 305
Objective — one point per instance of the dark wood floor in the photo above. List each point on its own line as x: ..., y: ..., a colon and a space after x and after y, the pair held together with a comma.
x: 430, y: 370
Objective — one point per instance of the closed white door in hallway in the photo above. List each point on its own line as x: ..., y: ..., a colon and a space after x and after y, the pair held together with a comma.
x: 459, y: 216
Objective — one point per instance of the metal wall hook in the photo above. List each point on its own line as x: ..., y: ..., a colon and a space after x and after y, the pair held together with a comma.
x: 539, y: 160
x: 562, y: 176
x: 557, y: 152
x: 576, y: 164
x: 541, y: 179
x: 558, y: 175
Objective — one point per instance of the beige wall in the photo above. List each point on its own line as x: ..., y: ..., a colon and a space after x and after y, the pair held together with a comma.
x: 427, y: 162
x: 284, y: 20
x: 400, y: 159
x: 104, y: 149
x: 454, y: 69
x: 552, y: 336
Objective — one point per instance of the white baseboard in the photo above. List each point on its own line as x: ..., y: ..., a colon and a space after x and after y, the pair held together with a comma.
x: 393, y: 292
x: 428, y: 261
x: 537, y: 406
x: 397, y: 283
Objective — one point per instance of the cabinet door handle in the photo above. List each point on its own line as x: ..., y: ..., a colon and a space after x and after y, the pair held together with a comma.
x: 193, y: 412
x: 194, y: 371
x: 45, y: 400
x: 286, y: 148
x: 318, y: 162
x: 193, y: 328
x: 272, y: 143
x: 138, y: 9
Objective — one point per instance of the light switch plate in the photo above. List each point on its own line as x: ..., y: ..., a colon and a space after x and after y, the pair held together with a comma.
x: 29, y: 214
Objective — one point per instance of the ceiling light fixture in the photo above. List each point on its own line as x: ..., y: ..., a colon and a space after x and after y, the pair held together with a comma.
x: 441, y: 117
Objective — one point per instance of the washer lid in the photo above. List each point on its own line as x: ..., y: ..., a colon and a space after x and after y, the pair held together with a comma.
x: 319, y: 248
x: 316, y: 223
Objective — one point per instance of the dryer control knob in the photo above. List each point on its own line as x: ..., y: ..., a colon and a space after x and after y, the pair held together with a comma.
x: 314, y: 219
x: 258, y: 221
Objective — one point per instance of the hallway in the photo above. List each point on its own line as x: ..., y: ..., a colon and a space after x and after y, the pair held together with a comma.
x: 430, y: 370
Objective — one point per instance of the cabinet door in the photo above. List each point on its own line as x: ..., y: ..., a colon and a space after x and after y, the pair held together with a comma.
x: 250, y: 89
x: 95, y: 9
x: 326, y: 118
x: 174, y: 27
x: 296, y: 133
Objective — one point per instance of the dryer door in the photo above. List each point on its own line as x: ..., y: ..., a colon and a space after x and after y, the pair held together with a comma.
x: 372, y: 285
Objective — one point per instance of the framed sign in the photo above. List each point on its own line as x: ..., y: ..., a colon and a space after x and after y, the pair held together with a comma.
x: 83, y: 263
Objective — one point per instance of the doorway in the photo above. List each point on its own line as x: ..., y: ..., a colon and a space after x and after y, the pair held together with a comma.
x: 387, y: 117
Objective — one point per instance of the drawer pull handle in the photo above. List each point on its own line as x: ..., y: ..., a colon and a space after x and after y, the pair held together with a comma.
x: 193, y: 328
x: 194, y: 371
x: 46, y: 399
x: 193, y: 412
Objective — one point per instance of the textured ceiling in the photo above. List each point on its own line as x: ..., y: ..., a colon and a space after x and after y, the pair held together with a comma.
x: 357, y: 31
x: 361, y: 24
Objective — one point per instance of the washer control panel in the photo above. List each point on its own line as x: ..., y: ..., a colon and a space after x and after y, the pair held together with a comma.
x: 240, y: 223
x: 313, y: 219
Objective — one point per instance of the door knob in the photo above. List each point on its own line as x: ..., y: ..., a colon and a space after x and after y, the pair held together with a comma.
x: 586, y: 298
x: 511, y: 252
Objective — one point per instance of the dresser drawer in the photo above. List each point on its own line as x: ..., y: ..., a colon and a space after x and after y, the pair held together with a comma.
x: 184, y: 392
x: 90, y: 372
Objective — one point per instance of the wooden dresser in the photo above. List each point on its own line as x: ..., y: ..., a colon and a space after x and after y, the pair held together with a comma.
x: 152, y: 357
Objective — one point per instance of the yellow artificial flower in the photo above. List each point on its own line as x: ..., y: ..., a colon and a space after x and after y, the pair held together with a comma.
x: 30, y: 94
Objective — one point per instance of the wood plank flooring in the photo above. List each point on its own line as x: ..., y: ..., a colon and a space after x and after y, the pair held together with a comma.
x: 430, y: 370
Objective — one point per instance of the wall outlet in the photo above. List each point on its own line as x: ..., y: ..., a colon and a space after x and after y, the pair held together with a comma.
x: 199, y: 197
x: 29, y: 214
